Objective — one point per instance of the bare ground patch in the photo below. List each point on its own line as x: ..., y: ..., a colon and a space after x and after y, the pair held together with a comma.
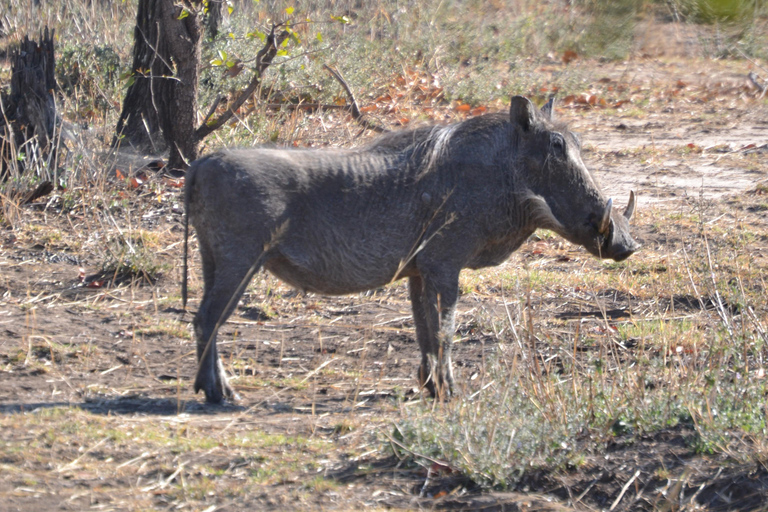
x: 96, y: 408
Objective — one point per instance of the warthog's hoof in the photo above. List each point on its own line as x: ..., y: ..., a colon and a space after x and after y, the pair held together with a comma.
x: 216, y: 390
x: 443, y: 389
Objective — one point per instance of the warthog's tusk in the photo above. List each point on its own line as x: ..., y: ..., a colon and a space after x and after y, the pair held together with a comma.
x: 605, y: 224
x: 630, y: 206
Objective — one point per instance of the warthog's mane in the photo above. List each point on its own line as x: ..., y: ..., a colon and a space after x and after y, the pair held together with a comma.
x: 431, y: 143
x: 429, y: 146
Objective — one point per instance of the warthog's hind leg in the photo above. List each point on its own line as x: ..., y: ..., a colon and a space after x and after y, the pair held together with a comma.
x: 211, y: 376
x: 219, y: 300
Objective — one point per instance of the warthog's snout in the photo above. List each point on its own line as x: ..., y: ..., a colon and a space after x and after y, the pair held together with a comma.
x: 617, y: 243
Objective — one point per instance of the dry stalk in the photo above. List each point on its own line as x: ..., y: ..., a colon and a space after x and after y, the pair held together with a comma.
x: 353, y: 108
x: 624, y: 489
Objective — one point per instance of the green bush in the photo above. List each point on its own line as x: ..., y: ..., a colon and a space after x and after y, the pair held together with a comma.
x: 711, y: 11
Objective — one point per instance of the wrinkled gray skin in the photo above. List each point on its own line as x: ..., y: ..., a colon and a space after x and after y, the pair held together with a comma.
x: 420, y: 204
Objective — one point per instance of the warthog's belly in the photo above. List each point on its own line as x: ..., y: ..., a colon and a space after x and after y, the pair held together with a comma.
x: 337, y: 277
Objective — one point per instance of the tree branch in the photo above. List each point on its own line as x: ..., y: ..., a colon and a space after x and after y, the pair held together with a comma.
x: 353, y: 108
x: 263, y: 60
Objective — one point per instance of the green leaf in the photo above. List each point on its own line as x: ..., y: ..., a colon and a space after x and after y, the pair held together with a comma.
x: 292, y: 33
x: 217, y: 62
x: 184, y: 14
x: 319, y: 37
x: 281, y: 53
x: 341, y: 19
x: 256, y: 33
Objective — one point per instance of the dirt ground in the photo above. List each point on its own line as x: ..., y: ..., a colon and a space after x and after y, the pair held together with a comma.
x: 320, y: 378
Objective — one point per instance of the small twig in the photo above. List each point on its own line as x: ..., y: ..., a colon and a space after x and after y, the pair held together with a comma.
x: 73, y: 464
x: 304, y: 106
x: 473, y: 395
x: 316, y: 370
x: 673, y: 494
x: 353, y: 108
x: 624, y: 489
x: 413, y: 453
x: 163, y: 483
x: 276, y: 238
x: 213, y: 108
x: 589, y: 487
x: 719, y: 303
x: 426, y: 482
x: 692, y: 499
x: 509, y: 318
x: 135, y: 459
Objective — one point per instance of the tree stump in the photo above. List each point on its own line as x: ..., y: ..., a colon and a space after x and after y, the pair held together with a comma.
x: 29, y: 116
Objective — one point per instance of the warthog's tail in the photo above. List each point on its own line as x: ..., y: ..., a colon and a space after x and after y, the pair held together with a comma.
x: 187, y: 191
x: 186, y: 246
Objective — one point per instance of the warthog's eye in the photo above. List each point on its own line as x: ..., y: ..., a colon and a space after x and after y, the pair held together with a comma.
x: 557, y: 143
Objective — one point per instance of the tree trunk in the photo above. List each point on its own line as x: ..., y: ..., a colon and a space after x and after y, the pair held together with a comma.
x: 29, y: 112
x: 163, y: 95
x: 139, y: 122
x: 178, y: 112
x: 213, y: 18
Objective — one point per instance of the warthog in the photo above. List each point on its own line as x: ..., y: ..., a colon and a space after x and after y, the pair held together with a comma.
x: 420, y: 204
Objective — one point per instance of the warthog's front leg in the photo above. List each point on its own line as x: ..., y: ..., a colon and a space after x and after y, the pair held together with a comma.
x: 434, y: 304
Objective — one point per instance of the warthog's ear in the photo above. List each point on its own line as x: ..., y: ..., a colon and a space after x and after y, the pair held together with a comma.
x: 522, y: 112
x: 548, y: 110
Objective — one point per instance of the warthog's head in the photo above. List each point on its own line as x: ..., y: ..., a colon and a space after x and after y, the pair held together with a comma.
x: 562, y: 194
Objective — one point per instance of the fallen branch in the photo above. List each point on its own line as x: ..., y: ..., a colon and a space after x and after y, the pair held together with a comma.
x: 756, y: 80
x: 353, y: 108
x: 42, y: 190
